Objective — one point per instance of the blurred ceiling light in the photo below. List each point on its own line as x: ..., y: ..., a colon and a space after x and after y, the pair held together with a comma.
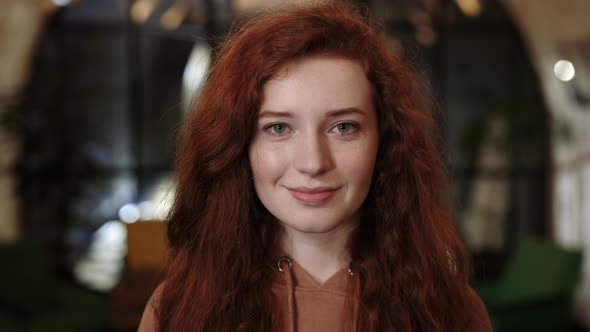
x: 147, y: 210
x: 129, y: 213
x: 471, y: 8
x: 141, y: 10
x: 175, y: 15
x: 61, y: 3
x: 564, y: 70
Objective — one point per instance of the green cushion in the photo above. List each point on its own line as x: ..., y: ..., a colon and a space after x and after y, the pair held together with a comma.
x: 539, y: 270
x: 79, y: 310
x: 26, y: 283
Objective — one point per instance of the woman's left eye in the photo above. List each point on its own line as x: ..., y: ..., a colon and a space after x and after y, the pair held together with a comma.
x: 345, y: 128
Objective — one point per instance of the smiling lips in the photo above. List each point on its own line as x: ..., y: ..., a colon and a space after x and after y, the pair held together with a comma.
x: 313, y: 196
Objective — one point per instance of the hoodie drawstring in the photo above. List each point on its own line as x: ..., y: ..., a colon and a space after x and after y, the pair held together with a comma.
x: 291, y: 286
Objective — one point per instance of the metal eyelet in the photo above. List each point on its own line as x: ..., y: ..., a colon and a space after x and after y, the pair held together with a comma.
x: 350, y: 271
x: 284, y: 259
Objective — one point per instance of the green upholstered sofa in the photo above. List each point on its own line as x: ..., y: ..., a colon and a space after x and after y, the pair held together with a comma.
x: 535, y: 291
x: 32, y: 298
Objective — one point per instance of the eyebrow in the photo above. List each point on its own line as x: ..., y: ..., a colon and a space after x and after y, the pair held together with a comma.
x: 332, y: 113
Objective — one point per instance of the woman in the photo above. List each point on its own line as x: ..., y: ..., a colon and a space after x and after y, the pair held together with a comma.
x: 311, y: 194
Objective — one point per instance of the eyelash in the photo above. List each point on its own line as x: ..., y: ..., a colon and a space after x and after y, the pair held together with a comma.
x: 354, y: 127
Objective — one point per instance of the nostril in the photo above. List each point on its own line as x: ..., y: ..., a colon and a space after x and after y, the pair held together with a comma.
x: 313, y: 157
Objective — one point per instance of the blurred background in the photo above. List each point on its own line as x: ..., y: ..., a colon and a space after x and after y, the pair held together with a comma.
x: 92, y: 93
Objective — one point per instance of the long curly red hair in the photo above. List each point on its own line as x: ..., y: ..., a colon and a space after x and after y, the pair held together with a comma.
x: 413, y: 268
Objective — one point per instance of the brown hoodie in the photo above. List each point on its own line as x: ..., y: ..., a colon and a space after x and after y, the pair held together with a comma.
x: 305, y: 305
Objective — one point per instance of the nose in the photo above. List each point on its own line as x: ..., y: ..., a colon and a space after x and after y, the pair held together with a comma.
x: 313, y: 155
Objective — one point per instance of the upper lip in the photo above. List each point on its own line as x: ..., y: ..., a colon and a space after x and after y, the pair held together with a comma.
x: 312, y: 189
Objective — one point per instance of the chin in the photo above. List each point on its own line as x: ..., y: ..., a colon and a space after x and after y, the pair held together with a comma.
x: 313, y: 227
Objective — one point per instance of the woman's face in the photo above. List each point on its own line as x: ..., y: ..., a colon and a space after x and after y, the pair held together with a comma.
x: 315, y: 145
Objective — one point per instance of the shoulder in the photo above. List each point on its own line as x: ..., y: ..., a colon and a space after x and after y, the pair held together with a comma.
x: 480, y: 320
x: 148, y: 319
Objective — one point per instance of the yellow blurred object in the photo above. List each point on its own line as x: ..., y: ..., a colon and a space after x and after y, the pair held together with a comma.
x: 174, y: 16
x: 141, y: 10
x: 245, y: 6
x: 471, y: 8
x: 146, y: 246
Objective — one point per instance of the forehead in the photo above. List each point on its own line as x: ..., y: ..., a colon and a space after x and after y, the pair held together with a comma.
x: 318, y: 83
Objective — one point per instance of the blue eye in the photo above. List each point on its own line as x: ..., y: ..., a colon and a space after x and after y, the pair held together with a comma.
x: 276, y: 128
x: 279, y: 128
x: 346, y: 127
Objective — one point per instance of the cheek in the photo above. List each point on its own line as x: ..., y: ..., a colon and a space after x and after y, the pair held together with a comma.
x: 358, y: 164
x: 361, y: 169
x: 267, y: 164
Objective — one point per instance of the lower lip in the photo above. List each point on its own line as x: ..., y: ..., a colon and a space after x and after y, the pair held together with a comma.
x: 318, y: 198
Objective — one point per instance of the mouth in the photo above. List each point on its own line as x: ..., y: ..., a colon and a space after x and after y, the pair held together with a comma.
x: 313, y: 196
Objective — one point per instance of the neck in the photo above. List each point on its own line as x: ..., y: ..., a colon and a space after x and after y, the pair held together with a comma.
x: 320, y: 254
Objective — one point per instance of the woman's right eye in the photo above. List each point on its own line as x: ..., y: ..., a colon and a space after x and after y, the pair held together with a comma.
x: 276, y: 128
